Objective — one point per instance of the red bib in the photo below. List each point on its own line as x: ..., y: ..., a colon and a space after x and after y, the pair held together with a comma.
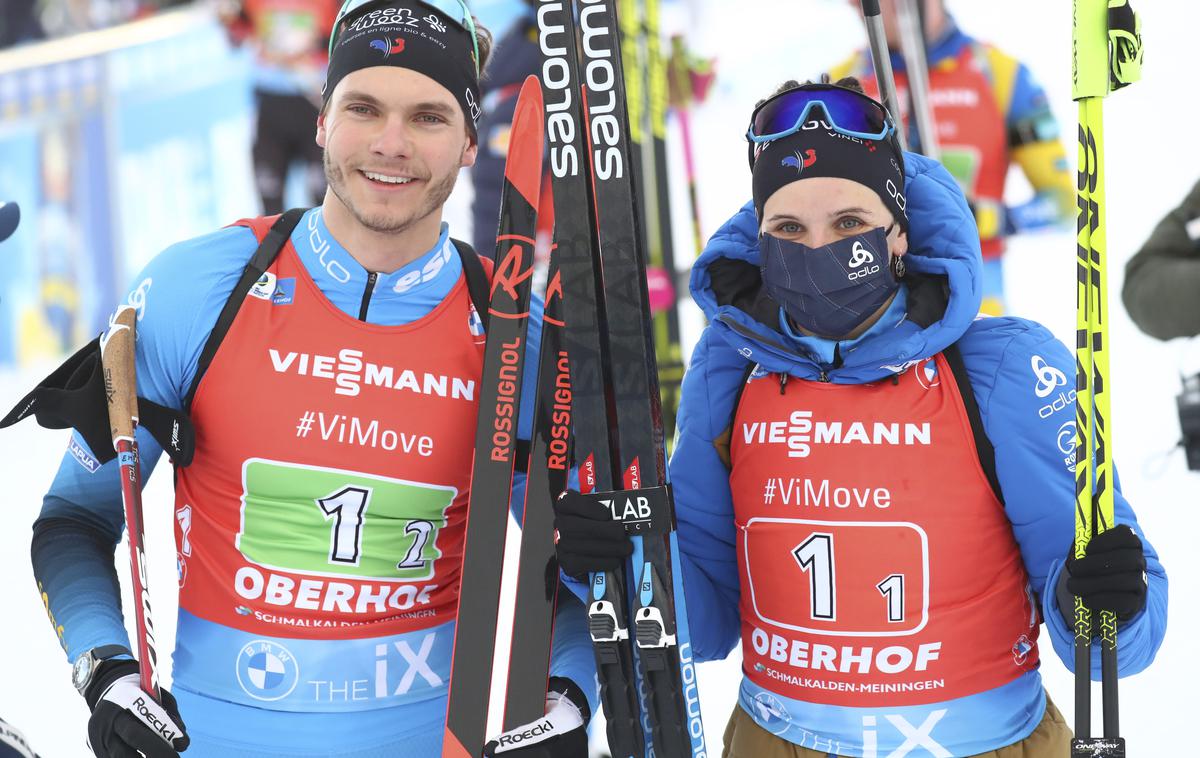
x: 328, y: 493
x: 971, y: 130
x: 877, y: 566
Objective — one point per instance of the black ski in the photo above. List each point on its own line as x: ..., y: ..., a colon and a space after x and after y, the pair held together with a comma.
x: 575, y: 240
x: 537, y: 574
x: 495, y: 440
x: 632, y: 388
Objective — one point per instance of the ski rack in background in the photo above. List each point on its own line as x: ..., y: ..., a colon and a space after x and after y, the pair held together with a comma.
x: 645, y: 72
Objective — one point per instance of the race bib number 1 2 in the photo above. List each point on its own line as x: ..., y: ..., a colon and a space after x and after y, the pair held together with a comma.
x: 330, y: 522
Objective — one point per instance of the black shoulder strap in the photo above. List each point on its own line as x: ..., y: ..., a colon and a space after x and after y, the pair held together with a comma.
x: 983, y: 445
x: 477, y: 281
x: 722, y: 442
x: 268, y: 250
x: 741, y: 390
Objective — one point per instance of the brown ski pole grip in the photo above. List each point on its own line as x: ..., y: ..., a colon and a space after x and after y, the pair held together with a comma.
x: 120, y: 378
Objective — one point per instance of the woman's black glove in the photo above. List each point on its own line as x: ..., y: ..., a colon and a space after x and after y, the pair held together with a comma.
x: 588, y: 539
x: 1111, y: 577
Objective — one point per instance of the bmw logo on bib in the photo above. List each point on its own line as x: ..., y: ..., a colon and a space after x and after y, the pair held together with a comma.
x: 771, y: 713
x: 267, y: 670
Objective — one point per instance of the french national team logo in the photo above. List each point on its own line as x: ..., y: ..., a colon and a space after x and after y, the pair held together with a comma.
x: 475, y: 323
x: 927, y: 374
x: 267, y: 670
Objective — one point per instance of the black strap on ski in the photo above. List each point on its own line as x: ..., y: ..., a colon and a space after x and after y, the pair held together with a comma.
x: 268, y: 250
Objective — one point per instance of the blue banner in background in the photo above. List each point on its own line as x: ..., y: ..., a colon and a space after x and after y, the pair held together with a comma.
x: 115, y: 144
x: 182, y: 125
x: 53, y: 162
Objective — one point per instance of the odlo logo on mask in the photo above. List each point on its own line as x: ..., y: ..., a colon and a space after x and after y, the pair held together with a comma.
x: 861, y: 255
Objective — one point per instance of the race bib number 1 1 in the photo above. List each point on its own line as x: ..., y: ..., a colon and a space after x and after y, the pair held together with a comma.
x: 838, y: 578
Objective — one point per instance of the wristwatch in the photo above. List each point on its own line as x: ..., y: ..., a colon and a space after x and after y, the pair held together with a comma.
x: 88, y: 663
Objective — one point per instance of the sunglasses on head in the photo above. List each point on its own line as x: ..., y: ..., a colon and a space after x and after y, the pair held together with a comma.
x: 455, y: 10
x: 844, y: 110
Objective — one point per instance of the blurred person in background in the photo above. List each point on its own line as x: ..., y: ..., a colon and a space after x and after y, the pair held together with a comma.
x: 65, y: 17
x: 19, y: 23
x: 990, y: 113
x: 309, y: 624
x: 289, y: 40
x: 1162, y: 280
x: 517, y: 56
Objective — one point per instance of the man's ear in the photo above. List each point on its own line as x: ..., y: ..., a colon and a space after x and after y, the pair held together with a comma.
x: 322, y: 133
x: 470, y: 153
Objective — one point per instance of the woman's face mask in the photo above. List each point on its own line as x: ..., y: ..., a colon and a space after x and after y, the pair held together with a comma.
x: 830, y: 290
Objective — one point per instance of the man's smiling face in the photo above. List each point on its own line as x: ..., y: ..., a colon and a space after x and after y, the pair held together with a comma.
x: 394, y: 142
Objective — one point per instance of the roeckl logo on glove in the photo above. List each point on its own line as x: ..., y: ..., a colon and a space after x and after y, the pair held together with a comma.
x: 152, y: 720
x: 537, y: 730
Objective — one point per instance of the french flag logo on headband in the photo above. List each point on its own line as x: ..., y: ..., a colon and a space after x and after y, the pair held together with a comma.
x: 387, y: 47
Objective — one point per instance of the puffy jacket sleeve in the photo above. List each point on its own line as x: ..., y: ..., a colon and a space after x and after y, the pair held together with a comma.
x: 704, y: 504
x: 1023, y: 379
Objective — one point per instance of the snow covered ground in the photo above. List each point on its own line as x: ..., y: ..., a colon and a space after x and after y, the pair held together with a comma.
x: 760, y: 43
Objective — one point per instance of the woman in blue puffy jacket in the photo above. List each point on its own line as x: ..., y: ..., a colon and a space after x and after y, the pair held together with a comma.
x: 874, y: 487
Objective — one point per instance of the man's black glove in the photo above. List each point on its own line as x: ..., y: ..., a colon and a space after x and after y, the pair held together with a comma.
x: 126, y: 722
x: 561, y: 733
x: 1112, y: 577
x: 588, y: 539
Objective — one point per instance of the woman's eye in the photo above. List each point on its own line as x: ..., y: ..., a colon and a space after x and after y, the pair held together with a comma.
x: 849, y: 222
x: 790, y: 228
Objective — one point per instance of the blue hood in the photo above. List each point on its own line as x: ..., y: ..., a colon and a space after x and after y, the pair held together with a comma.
x: 944, y: 287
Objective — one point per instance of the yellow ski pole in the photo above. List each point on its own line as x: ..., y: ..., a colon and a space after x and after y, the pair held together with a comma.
x: 1107, y: 56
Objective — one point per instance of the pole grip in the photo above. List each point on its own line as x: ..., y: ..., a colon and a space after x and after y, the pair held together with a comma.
x: 120, y: 379
x: 1089, y: 49
x: 870, y: 7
